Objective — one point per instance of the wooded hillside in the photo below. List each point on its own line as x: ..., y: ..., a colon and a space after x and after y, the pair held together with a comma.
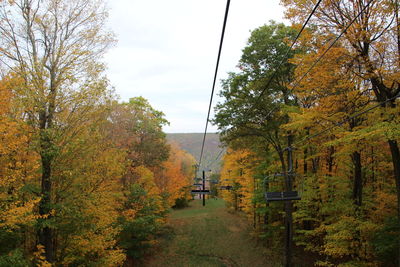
x: 191, y: 142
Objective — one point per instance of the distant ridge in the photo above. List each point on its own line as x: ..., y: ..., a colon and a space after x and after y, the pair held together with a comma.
x: 191, y: 142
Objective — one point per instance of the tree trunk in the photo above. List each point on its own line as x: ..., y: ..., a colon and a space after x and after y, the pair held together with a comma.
x: 330, y: 160
x: 357, y: 184
x: 396, y: 13
x: 394, y: 149
x: 254, y: 203
x: 315, y: 163
x: 373, y: 179
x: 305, y: 166
x: 289, y: 208
x: 46, y: 233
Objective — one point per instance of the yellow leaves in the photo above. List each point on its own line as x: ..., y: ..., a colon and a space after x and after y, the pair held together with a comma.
x: 237, y: 172
x: 18, y: 164
x: 98, y: 208
x: 349, y: 183
x: 39, y: 257
x: 146, y: 180
x: 100, y: 242
x: 71, y: 100
x: 18, y: 214
x: 348, y: 236
x: 87, y: 187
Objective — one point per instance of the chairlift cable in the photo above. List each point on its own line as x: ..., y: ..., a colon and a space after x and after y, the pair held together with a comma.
x: 216, y: 158
x: 293, y: 195
x: 346, y: 120
x: 331, y: 45
x: 285, y: 57
x: 317, y: 60
x: 268, y: 83
x: 215, y: 78
x: 289, y: 49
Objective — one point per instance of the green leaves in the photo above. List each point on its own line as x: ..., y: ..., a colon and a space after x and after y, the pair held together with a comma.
x: 138, y: 232
x: 14, y: 258
x: 256, y: 100
x: 386, y: 241
x: 137, y: 127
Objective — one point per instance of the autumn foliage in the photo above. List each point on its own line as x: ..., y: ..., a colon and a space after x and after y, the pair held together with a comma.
x: 335, y: 101
x: 85, y: 179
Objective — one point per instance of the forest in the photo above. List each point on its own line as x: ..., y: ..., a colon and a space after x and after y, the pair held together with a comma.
x: 89, y: 180
x: 85, y: 179
x: 320, y: 117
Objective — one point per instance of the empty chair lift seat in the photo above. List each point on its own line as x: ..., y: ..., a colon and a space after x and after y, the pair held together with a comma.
x: 201, y: 192
x: 282, y: 196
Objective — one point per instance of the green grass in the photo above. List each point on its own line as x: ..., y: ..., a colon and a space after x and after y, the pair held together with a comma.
x: 208, y: 236
x: 196, y: 208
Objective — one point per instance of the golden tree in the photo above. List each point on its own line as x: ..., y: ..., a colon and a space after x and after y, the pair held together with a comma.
x: 54, y: 46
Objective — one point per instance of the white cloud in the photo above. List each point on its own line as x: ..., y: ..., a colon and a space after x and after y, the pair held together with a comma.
x: 167, y: 51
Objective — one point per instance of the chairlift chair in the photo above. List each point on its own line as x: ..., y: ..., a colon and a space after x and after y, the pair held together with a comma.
x: 201, y: 192
x: 279, y: 196
x: 282, y: 196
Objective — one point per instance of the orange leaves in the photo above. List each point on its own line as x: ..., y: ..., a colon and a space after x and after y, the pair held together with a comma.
x: 385, y: 204
x: 177, y: 174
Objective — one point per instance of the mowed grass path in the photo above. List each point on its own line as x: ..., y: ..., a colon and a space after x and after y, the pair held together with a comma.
x: 208, y: 236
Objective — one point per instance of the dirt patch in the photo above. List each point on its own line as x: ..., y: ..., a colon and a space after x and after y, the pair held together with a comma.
x: 228, y: 262
x: 234, y: 229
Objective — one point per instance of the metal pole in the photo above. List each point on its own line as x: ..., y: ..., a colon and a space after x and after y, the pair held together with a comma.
x: 196, y: 168
x: 289, y: 209
x: 204, y: 188
x: 254, y: 202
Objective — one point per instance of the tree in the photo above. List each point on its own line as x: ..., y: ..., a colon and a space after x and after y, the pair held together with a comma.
x: 372, y: 40
x: 246, y: 114
x: 137, y: 127
x: 54, y: 47
x: 142, y: 216
x: 18, y: 167
x: 257, y: 100
x: 176, y: 175
x: 238, y: 173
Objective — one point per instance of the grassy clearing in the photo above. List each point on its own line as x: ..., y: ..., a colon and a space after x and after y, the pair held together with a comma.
x: 208, y: 236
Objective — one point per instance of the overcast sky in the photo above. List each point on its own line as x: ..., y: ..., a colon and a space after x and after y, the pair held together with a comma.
x: 167, y: 50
